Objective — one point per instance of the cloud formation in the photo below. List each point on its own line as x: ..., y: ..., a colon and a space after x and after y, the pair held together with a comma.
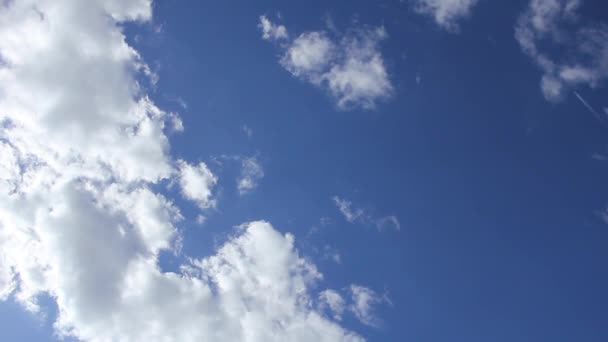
x: 364, y: 301
x: 271, y: 31
x: 350, y: 67
x: 331, y: 300
x: 361, y: 304
x: 83, y: 152
x: 251, y: 175
x: 196, y: 183
x: 446, y: 13
x: 353, y: 214
x: 569, y: 52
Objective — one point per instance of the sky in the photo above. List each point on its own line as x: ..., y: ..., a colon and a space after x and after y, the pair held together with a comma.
x: 414, y: 170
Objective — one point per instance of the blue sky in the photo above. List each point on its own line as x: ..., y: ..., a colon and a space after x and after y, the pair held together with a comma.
x: 421, y: 170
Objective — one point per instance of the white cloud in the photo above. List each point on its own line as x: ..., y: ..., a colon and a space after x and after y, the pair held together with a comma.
x: 446, y: 13
x: 569, y: 52
x: 332, y: 300
x: 82, y: 152
x: 271, y: 31
x: 353, y: 214
x: 350, y: 67
x: 346, y: 208
x: 364, y: 300
x: 309, y: 56
x: 251, y: 174
x: 197, y: 183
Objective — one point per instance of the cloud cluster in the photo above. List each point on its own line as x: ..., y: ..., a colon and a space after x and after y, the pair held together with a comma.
x: 569, y: 52
x: 446, y: 13
x: 350, y: 67
x: 353, y: 214
x: 83, y: 152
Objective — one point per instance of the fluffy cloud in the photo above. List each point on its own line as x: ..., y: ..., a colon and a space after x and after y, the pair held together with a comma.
x: 353, y: 214
x: 251, y: 174
x: 569, y: 52
x: 83, y: 152
x: 350, y: 67
x: 446, y: 12
x: 196, y: 183
x: 271, y: 31
x: 309, y: 55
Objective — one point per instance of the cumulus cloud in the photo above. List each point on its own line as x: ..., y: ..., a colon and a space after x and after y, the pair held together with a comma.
x: 83, y: 152
x: 196, y: 183
x: 251, y: 174
x: 359, y: 215
x: 570, y: 52
x: 446, y: 13
x: 350, y: 67
x: 309, y: 55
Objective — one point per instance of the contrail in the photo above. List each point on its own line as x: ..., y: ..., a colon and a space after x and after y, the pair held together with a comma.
x: 588, y: 106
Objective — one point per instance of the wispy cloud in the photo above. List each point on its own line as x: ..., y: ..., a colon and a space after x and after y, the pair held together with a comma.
x: 247, y: 130
x: 569, y: 52
x: 351, y: 214
x: 358, y: 215
x: 251, y: 175
x: 364, y: 301
x: 361, y: 302
x: 332, y: 300
x: 271, y: 31
x: 446, y: 13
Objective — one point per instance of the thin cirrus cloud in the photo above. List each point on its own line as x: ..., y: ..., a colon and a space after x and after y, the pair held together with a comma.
x: 353, y: 214
x: 364, y: 301
x: 446, y: 13
x: 361, y: 304
x: 350, y: 67
x: 83, y: 152
x: 569, y: 52
x: 251, y: 174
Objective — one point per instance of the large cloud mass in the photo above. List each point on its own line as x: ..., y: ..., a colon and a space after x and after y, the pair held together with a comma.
x: 82, y: 150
